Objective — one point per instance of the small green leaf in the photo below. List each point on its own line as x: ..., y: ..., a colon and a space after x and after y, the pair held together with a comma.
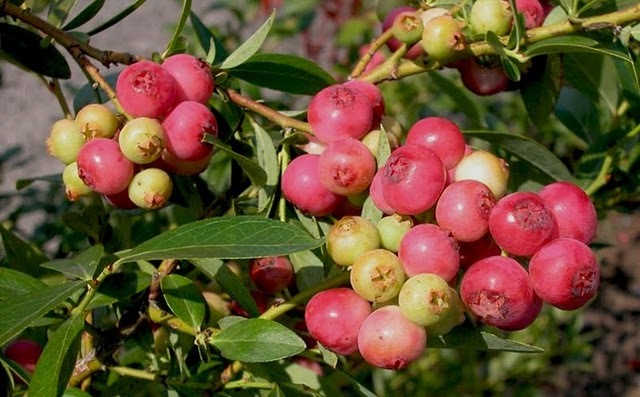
x: 59, y: 11
x: 217, y: 270
x: 576, y: 111
x: 58, y: 359
x: 75, y: 392
x: 308, y: 268
x: 253, y: 170
x: 596, y: 77
x: 527, y: 150
x: 511, y: 69
x: 85, y: 15
x: 257, y: 340
x: 540, y: 92
x: 116, y: 18
x: 465, y: 337
x: 494, y: 42
x: 18, y: 312
x: 567, y: 44
x: 229, y: 237
x: 118, y: 286
x: 20, y: 254
x: 282, y: 72
x: 268, y: 160
x: 329, y: 357
x: 369, y: 209
x: 249, y: 47
x: 14, y: 283
x: 184, y: 299
x: 22, y: 48
x: 82, y: 266
x: 210, y: 44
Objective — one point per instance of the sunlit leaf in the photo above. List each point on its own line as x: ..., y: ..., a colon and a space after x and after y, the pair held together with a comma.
x: 250, y: 46
x: 184, y: 299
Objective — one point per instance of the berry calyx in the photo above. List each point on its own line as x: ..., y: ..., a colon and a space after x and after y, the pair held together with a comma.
x: 349, y: 237
x: 97, y: 121
x: 150, y: 188
x: 377, y: 275
x: 142, y: 140
x: 443, y: 39
x: 407, y: 27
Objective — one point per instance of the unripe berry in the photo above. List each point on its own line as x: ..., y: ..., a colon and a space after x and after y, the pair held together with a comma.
x: 97, y: 121
x: 185, y: 128
x: 377, y: 275
x: 350, y: 237
x: 407, y: 27
x: 388, y: 340
x: 65, y: 141
x: 393, y: 44
x: 425, y: 299
x: 487, y: 168
x: 334, y: 316
x: 145, y: 89
x: 565, y: 273
x: 440, y: 135
x: 74, y: 186
x: 491, y: 16
x: 338, y: 112
x: 194, y: 81
x: 272, y: 274
x: 302, y: 187
x: 372, y: 139
x: 574, y: 212
x: 142, y: 140
x: 346, y: 167
x: 442, y: 39
x: 103, y: 167
x: 427, y: 248
x: 150, y: 188
x: 392, y: 229
x: 451, y: 318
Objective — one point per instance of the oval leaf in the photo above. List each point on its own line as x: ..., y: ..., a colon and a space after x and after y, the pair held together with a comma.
x: 474, y: 339
x: 249, y: 47
x: 232, y: 237
x: 15, y: 283
x: 309, y: 269
x: 85, y: 15
x: 118, y: 286
x: 81, y: 266
x: 287, y: 73
x: 58, y: 359
x: 184, y: 299
x: 527, y: 150
x: 22, y: 48
x: 258, y: 340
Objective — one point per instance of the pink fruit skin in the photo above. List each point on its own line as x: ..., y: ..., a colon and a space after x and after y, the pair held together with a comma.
x: 272, y: 274
x: 498, y: 291
x: 301, y: 186
x: 482, y: 80
x: 103, y: 167
x: 24, y: 352
x: 377, y: 197
x: 427, y: 248
x: 574, y: 212
x: 565, y: 273
x: 440, y: 135
x: 193, y: 77
x: 376, y: 59
x: 533, y: 12
x: 338, y: 112
x: 463, y: 208
x: 473, y: 251
x: 375, y: 97
x: 334, y: 316
x: 521, y: 223
x: 185, y: 127
x: 412, y: 179
x: 346, y: 167
x: 388, y: 340
x: 416, y: 50
x: 145, y: 89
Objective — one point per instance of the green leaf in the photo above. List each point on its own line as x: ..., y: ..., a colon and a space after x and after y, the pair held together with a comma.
x: 217, y: 270
x: 21, y: 255
x: 14, y: 283
x: 268, y: 160
x: 282, y: 72
x: 527, y: 150
x: 119, y: 286
x: 85, y: 15
x: 249, y: 47
x: 560, y: 44
x: 474, y: 339
x: 540, y: 92
x: 230, y: 237
x: 511, y: 69
x: 208, y: 41
x: 184, y: 299
x: 18, y: 312
x: 116, y: 18
x: 253, y: 170
x: 576, y: 111
x: 22, y: 48
x: 59, y: 11
x: 75, y: 392
x: 257, y: 340
x: 58, y: 359
x: 82, y: 266
x: 308, y: 268
x: 596, y: 77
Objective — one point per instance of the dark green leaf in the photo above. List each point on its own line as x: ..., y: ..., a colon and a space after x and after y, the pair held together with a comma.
x: 184, y: 299
x: 540, y: 92
x: 258, y: 340
x: 85, y: 15
x: 596, y: 77
x: 231, y: 237
x: 88, y: 93
x: 59, y: 11
x: 118, y: 286
x: 282, y: 72
x: 560, y: 44
x: 14, y: 283
x: 58, y: 359
x: 359, y: 387
x: 26, y: 182
x: 206, y: 39
x: 578, y: 114
x: 249, y: 47
x: 18, y: 312
x: 268, y: 160
x: 253, y: 170
x: 511, y: 69
x: 527, y: 150
x: 474, y: 339
x: 22, y: 48
x: 82, y: 266
x: 217, y: 270
x: 309, y: 269
x: 20, y: 254
x: 116, y: 18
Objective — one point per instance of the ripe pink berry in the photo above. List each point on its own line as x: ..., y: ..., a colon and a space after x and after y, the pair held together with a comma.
x: 473, y: 251
x: 193, y: 77
x: 103, y: 167
x: 427, y: 248
x: 146, y: 89
x: 185, y: 127
x: 301, y: 186
x: 272, y: 274
x: 375, y: 97
x: 333, y: 318
x: 521, y: 223
x: 463, y: 208
x: 532, y: 11
x: 376, y: 194
x: 346, y: 167
x: 388, y: 340
x: 574, y: 212
x: 498, y: 291
x: 120, y: 200
x: 338, y: 112
x: 565, y: 273
x: 174, y: 165
x: 412, y: 179
x: 481, y: 79
x: 25, y: 352
x: 440, y: 135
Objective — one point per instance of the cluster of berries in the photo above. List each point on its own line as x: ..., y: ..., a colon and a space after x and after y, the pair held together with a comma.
x: 130, y: 162
x: 452, y: 239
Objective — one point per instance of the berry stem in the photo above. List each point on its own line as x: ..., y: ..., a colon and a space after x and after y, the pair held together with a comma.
x: 366, y: 58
